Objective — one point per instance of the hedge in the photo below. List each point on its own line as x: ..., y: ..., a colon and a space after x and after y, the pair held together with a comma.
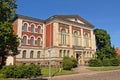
x: 23, y: 71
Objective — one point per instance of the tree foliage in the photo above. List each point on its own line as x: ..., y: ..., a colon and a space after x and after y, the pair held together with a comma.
x: 7, y: 10
x: 8, y: 40
x: 102, y: 38
x: 103, y: 43
x: 106, y: 54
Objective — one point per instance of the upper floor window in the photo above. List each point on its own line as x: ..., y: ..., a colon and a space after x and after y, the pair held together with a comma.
x: 32, y: 41
x: 24, y: 54
x: 86, y: 35
x: 25, y: 27
x: 38, y: 54
x: 32, y: 28
x: 25, y: 40
x: 75, y: 38
x: 31, y: 54
x: 63, y: 36
x: 39, y: 29
x: 38, y: 41
x: 86, y: 39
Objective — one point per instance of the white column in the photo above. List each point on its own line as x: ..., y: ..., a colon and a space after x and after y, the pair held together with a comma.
x: 93, y: 41
x: 71, y: 37
x: 44, y: 35
x: 55, y: 34
x: 19, y: 29
x: 82, y: 40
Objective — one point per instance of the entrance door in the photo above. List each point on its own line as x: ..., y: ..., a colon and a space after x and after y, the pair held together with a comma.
x: 78, y: 57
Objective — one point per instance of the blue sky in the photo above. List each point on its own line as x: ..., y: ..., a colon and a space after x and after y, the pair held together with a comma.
x: 104, y: 14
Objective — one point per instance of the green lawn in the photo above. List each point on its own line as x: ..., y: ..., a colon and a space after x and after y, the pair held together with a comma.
x: 55, y: 71
x: 104, y: 68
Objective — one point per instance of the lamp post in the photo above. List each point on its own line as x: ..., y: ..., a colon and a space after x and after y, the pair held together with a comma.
x: 50, y: 77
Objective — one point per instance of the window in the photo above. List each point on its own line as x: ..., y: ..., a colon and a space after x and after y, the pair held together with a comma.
x: 68, y: 53
x: 38, y: 54
x: 25, y: 27
x: 32, y: 28
x: 39, y: 29
x: 32, y: 41
x: 86, y: 35
x: 24, y: 54
x: 31, y: 54
x: 24, y: 40
x: 64, y: 53
x: 63, y: 36
x: 60, y: 53
x: 38, y: 41
x: 75, y: 38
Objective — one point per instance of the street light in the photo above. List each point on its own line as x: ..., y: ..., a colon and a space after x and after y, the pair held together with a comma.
x: 50, y: 77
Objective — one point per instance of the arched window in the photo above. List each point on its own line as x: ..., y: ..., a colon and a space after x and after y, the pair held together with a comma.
x: 63, y: 36
x: 64, y: 53
x: 24, y: 54
x: 39, y: 29
x: 68, y: 53
x: 38, y: 54
x: 32, y: 41
x: 31, y: 54
x: 86, y: 35
x: 38, y: 41
x: 60, y: 53
x: 24, y: 40
x: 32, y: 28
x: 25, y: 27
x: 75, y: 38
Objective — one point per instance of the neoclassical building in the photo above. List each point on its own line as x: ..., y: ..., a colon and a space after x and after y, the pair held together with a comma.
x: 54, y: 38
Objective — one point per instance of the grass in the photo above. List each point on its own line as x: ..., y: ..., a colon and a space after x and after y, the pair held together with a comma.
x: 104, y: 68
x: 9, y: 79
x: 55, y: 71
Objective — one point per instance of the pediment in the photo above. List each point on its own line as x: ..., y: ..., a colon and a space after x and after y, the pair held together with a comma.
x: 76, y: 20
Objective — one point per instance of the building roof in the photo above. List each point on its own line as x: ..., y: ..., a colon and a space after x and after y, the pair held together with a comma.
x: 29, y: 18
x: 69, y: 19
x: 75, y: 19
x: 118, y: 51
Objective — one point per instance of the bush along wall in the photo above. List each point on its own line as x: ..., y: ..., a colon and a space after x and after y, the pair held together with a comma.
x: 22, y: 71
x: 69, y: 63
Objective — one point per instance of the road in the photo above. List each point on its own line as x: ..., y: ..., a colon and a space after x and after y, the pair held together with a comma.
x: 104, y: 75
x: 84, y: 74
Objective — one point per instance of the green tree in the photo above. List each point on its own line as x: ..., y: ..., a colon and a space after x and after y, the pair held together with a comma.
x: 8, y: 40
x: 102, y: 38
x: 7, y: 10
x: 103, y: 43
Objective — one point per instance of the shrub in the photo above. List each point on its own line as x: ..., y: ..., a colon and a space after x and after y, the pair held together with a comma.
x: 67, y: 63
x: 8, y: 71
x: 114, y: 62
x: 95, y: 63
x: 106, y: 62
x: 21, y: 71
x: 75, y: 62
x: 118, y: 57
